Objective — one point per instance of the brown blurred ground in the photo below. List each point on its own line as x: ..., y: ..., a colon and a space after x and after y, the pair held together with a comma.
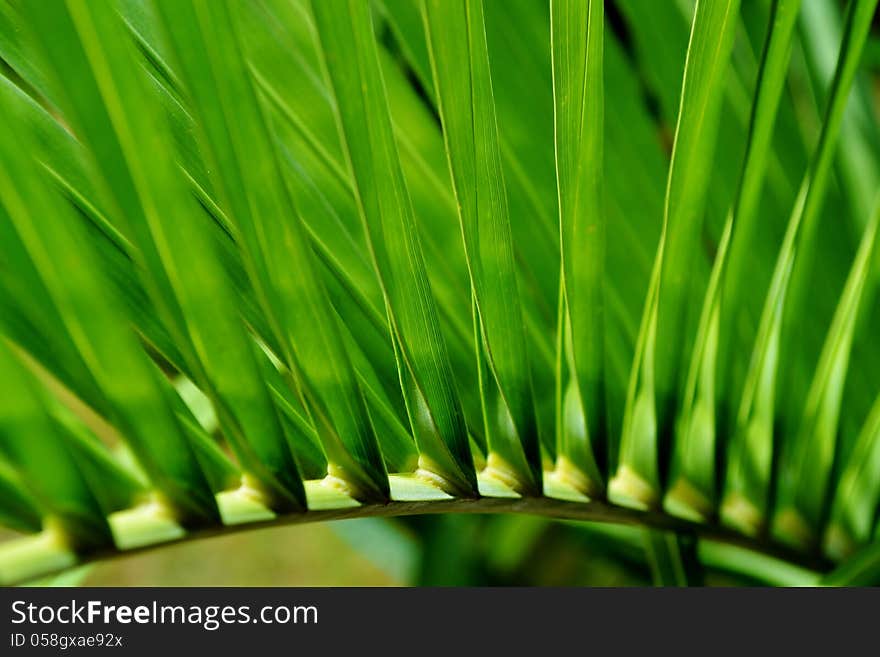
x: 305, y: 555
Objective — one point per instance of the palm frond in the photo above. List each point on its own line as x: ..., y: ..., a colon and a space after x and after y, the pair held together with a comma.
x: 288, y: 261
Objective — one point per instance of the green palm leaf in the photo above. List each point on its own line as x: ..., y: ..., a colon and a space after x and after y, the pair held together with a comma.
x: 286, y: 261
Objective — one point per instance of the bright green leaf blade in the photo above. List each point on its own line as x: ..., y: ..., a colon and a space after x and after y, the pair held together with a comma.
x: 435, y: 413
x: 39, y: 454
x: 19, y: 510
x: 667, y: 328
x: 672, y: 558
x: 94, y: 322
x: 862, y: 569
x: 801, y: 341
x: 577, y: 37
x: 805, y: 475
x: 222, y: 474
x: 460, y: 63
x: 519, y: 56
x: 754, y: 426
x: 115, y: 486
x: 277, y: 254
x: 857, y: 163
x: 321, y: 185
x: 857, y: 498
x: 69, y: 578
x: 21, y: 64
x: 352, y: 287
x: 171, y: 233
x: 692, y: 489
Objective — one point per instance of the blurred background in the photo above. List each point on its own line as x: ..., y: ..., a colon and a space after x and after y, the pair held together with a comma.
x: 465, y: 550
x: 427, y: 550
x: 430, y: 550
